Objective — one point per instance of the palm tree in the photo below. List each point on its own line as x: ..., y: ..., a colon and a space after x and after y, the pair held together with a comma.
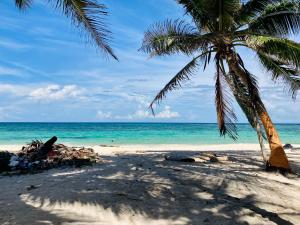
x: 219, y: 28
x: 85, y: 14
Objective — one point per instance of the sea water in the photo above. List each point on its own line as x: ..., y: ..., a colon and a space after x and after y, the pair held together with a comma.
x: 135, y: 133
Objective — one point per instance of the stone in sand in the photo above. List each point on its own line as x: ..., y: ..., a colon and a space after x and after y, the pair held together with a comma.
x: 288, y: 146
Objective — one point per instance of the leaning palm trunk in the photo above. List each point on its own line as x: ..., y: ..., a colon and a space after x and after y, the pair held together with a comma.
x: 278, y: 158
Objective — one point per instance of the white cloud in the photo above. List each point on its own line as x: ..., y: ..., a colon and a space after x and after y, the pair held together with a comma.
x: 280, y: 105
x: 56, y: 92
x: 15, y: 90
x: 141, y: 114
x: 9, y: 71
x: 164, y: 114
x: 13, y: 45
x: 167, y: 113
x: 103, y: 115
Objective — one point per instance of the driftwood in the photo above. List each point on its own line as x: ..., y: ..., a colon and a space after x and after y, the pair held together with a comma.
x: 44, y: 149
x: 203, y: 157
x: 180, y: 158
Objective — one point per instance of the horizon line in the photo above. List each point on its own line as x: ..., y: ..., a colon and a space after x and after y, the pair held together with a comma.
x: 136, y: 122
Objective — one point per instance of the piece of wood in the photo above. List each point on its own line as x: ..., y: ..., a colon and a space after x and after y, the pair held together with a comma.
x: 203, y: 157
x: 179, y: 158
x: 41, y: 152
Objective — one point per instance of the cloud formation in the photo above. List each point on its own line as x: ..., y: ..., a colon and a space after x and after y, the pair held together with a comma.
x: 55, y: 92
x: 166, y: 113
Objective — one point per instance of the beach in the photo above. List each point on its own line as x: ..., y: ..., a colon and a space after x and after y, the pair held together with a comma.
x: 175, y: 112
x: 134, y: 184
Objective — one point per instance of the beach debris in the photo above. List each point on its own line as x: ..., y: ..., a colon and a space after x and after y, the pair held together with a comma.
x: 180, y: 158
x: 287, y: 146
x: 199, y: 157
x: 5, y: 160
x: 31, y: 187
x: 13, y: 161
x: 206, y: 220
x: 37, y: 156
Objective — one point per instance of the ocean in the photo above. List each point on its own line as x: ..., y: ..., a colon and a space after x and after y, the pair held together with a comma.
x: 135, y: 133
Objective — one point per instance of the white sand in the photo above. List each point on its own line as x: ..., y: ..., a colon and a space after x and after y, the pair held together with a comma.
x: 111, y: 149
x: 135, y: 185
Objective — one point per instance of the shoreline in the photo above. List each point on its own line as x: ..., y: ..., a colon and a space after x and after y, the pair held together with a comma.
x: 112, y: 149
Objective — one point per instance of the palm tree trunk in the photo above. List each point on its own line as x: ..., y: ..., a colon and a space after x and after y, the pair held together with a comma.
x: 278, y: 158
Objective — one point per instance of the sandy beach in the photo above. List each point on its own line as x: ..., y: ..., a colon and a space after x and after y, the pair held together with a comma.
x: 149, y: 112
x: 136, y: 185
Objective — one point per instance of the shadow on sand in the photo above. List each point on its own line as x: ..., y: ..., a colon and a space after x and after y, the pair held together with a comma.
x: 133, y: 186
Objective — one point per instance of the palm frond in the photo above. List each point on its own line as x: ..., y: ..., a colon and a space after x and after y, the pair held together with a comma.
x: 243, y: 98
x: 198, y: 10
x: 89, y: 16
x: 23, y: 4
x: 210, y: 14
x: 241, y: 95
x: 252, y: 85
x: 283, y: 49
x: 184, y: 74
x: 279, y: 70
x: 278, y: 19
x: 170, y: 37
x: 251, y: 9
x: 280, y: 57
x: 225, y: 115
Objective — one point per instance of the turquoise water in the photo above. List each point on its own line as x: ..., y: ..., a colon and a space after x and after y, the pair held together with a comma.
x: 134, y: 133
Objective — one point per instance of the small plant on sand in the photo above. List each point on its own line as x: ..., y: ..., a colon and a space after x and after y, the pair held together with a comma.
x: 88, y: 15
x: 216, y: 30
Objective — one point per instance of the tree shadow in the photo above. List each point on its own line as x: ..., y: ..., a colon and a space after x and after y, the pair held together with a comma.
x: 133, y: 186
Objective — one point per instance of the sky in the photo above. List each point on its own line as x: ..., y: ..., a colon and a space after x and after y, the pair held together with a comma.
x: 48, y: 73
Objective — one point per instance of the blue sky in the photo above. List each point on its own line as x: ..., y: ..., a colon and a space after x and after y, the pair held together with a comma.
x: 49, y: 73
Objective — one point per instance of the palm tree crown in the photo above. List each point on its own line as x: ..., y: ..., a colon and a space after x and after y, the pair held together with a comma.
x: 85, y: 14
x: 218, y: 28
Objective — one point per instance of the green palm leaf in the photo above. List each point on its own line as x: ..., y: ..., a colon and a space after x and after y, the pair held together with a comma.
x: 184, y: 74
x: 278, y: 19
x: 251, y: 9
x: 171, y: 37
x: 225, y: 115
x: 243, y: 98
x: 23, y: 4
x: 279, y: 70
x: 89, y: 16
x: 280, y: 48
x: 210, y: 14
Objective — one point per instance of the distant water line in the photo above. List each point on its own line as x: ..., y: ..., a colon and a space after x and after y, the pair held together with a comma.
x: 135, y: 133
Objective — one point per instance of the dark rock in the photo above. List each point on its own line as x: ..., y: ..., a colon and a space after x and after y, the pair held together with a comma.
x: 213, y: 159
x: 5, y: 161
x: 206, y: 220
x: 288, y: 146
